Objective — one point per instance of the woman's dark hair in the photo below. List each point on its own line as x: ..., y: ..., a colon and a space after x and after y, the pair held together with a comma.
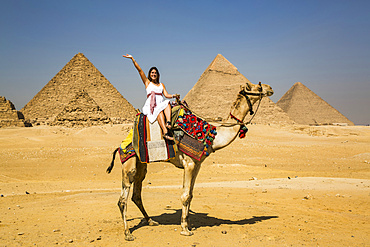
x: 150, y: 79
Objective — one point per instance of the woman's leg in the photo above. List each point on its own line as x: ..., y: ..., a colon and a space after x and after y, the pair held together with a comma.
x: 167, y: 113
x: 161, y: 121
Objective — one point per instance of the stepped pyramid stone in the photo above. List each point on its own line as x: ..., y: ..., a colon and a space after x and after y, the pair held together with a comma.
x: 81, y: 111
x: 78, y: 74
x: 305, y: 107
x: 9, y: 116
x: 269, y: 113
x: 214, y: 93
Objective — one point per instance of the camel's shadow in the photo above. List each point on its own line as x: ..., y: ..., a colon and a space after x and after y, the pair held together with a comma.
x: 199, y: 220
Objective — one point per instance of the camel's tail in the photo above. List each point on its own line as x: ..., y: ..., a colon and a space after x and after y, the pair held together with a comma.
x: 109, y: 169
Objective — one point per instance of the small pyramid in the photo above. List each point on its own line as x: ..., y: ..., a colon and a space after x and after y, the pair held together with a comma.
x: 305, y: 107
x: 214, y: 93
x: 269, y: 113
x: 81, y: 111
x: 78, y: 74
x: 9, y: 116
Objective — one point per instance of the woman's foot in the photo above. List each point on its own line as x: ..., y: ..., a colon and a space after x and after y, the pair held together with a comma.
x: 168, y: 125
x: 168, y: 137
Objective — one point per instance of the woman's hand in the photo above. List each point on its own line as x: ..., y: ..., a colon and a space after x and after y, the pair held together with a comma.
x: 141, y: 73
x: 128, y: 56
x: 177, y: 96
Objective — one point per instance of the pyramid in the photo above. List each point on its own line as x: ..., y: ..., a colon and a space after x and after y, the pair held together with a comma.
x: 214, y: 93
x: 78, y: 74
x: 269, y: 113
x: 9, y: 116
x: 305, y: 107
x: 81, y: 111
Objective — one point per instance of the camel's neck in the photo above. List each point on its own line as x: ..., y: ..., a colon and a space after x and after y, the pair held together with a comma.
x: 227, y: 134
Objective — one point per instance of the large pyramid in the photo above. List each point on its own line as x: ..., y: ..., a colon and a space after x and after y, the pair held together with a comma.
x: 79, y: 74
x: 305, y: 107
x: 215, y: 92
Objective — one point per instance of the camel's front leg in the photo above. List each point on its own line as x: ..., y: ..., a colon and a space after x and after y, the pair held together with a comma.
x: 136, y: 195
x: 190, y: 173
x: 128, y: 173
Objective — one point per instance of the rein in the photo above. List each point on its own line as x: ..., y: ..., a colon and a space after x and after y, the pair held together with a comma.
x: 250, y: 105
x: 243, y: 126
x: 245, y: 94
x: 239, y: 122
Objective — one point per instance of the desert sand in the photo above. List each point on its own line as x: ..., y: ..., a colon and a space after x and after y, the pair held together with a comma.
x: 280, y: 186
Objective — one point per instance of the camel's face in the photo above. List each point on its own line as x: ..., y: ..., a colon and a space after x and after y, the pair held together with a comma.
x: 265, y: 89
x: 249, y: 94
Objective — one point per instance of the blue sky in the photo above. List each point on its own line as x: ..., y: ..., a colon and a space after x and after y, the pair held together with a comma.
x: 323, y: 44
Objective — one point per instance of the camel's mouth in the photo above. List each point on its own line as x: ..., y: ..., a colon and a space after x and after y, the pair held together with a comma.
x: 269, y: 92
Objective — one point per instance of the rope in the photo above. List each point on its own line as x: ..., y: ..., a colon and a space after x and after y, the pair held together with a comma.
x: 244, y: 123
x: 180, y: 103
x: 259, y: 102
x: 223, y: 124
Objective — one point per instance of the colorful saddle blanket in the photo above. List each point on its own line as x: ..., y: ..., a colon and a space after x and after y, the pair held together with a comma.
x: 196, y: 127
x: 136, y: 143
x: 198, y: 134
x: 194, y: 136
x: 126, y: 152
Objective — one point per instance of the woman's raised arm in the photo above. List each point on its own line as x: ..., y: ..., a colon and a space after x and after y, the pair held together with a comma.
x: 141, y: 72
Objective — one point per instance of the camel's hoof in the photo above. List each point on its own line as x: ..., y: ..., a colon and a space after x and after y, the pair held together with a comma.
x: 129, y: 237
x: 186, y: 233
x: 153, y: 223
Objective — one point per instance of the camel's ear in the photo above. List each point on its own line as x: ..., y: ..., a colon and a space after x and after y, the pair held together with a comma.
x: 242, y: 87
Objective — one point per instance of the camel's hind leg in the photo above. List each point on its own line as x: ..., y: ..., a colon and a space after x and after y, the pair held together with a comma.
x: 128, y: 174
x: 141, y: 170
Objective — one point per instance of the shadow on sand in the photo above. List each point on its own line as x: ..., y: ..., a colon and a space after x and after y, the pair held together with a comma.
x: 198, y: 220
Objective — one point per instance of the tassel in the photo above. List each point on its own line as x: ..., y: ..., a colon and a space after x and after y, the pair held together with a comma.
x: 243, y: 131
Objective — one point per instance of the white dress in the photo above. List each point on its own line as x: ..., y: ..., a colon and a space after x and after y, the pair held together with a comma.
x: 160, y: 100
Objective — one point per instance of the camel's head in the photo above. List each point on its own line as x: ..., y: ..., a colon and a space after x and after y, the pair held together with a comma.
x: 256, y: 89
x: 248, y: 95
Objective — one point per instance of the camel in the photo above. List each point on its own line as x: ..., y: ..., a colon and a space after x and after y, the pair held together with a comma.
x: 133, y: 171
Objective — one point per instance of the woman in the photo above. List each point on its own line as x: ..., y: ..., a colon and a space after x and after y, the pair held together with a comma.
x: 156, y: 107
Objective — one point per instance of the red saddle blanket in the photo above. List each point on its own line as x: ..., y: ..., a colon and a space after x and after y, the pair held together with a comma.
x: 196, y: 127
x: 199, y: 134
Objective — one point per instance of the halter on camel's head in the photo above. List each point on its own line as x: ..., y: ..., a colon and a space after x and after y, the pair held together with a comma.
x: 250, y: 92
x: 260, y: 90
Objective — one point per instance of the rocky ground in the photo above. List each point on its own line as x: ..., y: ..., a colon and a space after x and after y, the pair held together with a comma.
x: 280, y: 186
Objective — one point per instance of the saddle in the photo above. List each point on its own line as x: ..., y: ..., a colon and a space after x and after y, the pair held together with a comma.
x: 193, y: 136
